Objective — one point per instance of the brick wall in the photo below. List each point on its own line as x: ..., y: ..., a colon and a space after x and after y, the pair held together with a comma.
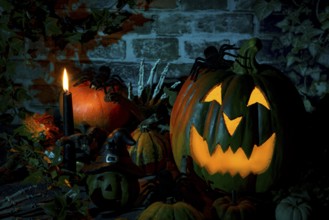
x: 180, y: 31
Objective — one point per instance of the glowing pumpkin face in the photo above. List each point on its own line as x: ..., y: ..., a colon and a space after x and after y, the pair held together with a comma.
x: 238, y: 125
x: 236, y: 160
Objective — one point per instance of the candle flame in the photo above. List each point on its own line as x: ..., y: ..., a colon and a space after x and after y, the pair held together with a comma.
x: 65, y: 81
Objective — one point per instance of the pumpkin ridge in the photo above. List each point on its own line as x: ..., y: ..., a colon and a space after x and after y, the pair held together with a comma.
x: 155, y: 151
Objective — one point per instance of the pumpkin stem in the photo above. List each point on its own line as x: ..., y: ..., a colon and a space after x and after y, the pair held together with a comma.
x: 246, y: 61
x: 170, y: 200
x: 234, y: 200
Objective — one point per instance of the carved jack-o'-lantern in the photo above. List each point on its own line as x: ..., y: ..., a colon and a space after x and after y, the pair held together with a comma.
x: 112, y: 190
x: 239, y: 125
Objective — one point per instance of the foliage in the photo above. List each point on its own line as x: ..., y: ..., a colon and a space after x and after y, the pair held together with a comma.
x: 66, y: 205
x: 302, y: 46
x: 63, y: 28
x: 40, y: 128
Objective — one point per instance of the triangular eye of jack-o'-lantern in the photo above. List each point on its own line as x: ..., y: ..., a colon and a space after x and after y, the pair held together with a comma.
x: 239, y: 124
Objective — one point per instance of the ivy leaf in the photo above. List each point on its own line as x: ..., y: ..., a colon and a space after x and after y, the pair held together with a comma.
x: 56, y: 207
x: 171, y: 95
x: 21, y: 95
x: 324, y: 18
x: 5, y: 33
x: 284, y: 25
x: 73, y: 37
x: 6, y: 5
x: 16, y: 46
x: 51, y: 26
x: 325, y: 25
x: 264, y: 8
x: 307, y: 30
x: 291, y: 59
x: 34, y: 177
x: 286, y: 39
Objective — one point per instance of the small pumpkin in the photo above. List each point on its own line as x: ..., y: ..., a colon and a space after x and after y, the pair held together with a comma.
x: 293, y: 208
x: 90, y: 107
x: 112, y: 190
x: 242, y: 125
x: 151, y: 150
x: 231, y: 208
x: 170, y: 211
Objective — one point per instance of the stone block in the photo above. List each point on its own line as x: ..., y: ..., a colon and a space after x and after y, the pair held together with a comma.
x: 221, y: 23
x: 161, y: 4
x: 113, y: 51
x: 244, y: 5
x: 156, y: 48
x: 174, y: 23
x: 196, y: 49
x: 189, y: 5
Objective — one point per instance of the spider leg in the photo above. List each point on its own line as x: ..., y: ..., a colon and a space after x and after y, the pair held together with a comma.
x: 117, y: 77
x: 199, y: 62
x: 81, y: 80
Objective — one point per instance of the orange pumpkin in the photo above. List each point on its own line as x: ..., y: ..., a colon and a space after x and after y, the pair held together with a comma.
x: 226, y: 208
x: 90, y: 107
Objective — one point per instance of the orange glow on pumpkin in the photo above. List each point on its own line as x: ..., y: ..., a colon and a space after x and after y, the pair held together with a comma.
x: 233, y: 163
x: 229, y: 161
x: 256, y: 96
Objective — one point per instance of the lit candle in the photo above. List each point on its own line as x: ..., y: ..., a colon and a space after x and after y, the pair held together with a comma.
x: 69, y: 160
x: 68, y: 122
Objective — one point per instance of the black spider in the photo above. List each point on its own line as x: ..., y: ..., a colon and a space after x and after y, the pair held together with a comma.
x: 101, y: 79
x: 214, y: 60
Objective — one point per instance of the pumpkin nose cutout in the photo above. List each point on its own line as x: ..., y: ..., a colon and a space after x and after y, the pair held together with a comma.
x: 109, y: 188
x: 231, y: 125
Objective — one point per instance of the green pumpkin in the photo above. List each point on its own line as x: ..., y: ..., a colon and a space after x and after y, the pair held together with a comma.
x: 112, y: 190
x: 293, y: 208
x: 170, y: 211
x: 241, y: 125
x: 151, y: 150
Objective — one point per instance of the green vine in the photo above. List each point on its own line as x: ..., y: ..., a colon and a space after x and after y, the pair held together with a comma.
x: 302, y: 47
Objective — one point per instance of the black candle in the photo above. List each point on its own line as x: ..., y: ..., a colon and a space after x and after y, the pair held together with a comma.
x: 69, y: 160
x: 68, y: 121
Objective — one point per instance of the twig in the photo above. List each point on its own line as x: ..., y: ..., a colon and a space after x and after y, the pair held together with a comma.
x: 140, y: 85
x: 161, y: 80
x: 150, y: 80
x: 130, y: 91
x: 151, y: 76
